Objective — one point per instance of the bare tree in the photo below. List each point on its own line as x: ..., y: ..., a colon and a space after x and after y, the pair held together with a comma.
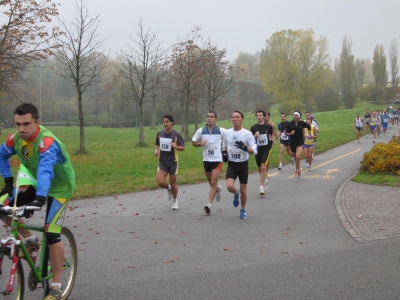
x: 394, y: 68
x: 218, y: 74
x: 82, y: 61
x: 186, y: 65
x: 25, y: 36
x: 140, y: 66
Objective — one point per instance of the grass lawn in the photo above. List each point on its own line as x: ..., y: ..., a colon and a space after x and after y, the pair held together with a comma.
x: 377, y: 179
x: 114, y: 165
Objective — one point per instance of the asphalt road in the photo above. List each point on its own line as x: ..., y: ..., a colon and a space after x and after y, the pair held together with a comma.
x: 291, y: 246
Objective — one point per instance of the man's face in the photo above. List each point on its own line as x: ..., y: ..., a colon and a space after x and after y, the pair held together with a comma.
x: 260, y: 117
x: 211, y: 119
x: 266, y: 118
x: 296, y: 117
x: 26, y: 125
x: 236, y: 119
x: 167, y: 123
x: 283, y: 118
x: 308, y: 116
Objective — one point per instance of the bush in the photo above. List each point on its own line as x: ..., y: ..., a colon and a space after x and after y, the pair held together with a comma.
x: 383, y: 158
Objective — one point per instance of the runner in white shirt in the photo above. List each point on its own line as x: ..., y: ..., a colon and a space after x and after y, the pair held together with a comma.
x: 358, y: 125
x: 210, y: 138
x: 238, y: 143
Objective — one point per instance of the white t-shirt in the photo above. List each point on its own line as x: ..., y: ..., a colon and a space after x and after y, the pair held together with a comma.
x: 235, y: 154
x: 212, y: 148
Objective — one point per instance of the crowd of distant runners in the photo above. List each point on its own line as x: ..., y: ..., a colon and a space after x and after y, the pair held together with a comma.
x: 376, y: 122
x: 234, y: 147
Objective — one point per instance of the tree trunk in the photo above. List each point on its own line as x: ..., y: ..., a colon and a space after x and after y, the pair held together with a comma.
x: 81, y: 126
x: 141, y: 128
x: 196, y: 109
x: 153, y: 117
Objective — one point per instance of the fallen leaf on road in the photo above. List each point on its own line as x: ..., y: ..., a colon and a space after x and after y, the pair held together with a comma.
x: 168, y: 261
x: 226, y: 249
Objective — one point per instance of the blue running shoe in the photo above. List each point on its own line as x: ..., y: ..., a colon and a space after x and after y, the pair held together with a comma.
x: 243, y: 214
x: 236, y: 199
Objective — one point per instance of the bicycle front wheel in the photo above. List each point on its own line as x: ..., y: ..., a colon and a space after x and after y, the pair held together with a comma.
x: 19, y: 280
x: 70, y: 264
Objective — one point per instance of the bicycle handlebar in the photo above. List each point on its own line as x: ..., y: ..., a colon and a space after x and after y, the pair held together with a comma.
x: 18, y: 211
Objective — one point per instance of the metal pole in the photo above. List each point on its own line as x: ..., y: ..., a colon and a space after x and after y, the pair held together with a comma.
x: 40, y: 92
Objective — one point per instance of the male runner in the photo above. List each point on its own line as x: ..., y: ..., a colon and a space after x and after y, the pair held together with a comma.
x: 263, y: 134
x: 367, y: 116
x: 294, y: 129
x: 168, y: 143
x: 46, y: 158
x: 238, y: 143
x: 385, y: 121
x: 373, y: 124
x: 210, y: 138
x: 274, y: 136
x: 284, y: 141
x: 358, y: 125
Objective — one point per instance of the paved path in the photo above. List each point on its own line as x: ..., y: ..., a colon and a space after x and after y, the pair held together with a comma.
x: 291, y: 246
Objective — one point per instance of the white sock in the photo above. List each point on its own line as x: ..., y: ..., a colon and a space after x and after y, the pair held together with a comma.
x: 175, y: 200
x: 30, y: 238
x: 169, y: 187
x: 54, y: 284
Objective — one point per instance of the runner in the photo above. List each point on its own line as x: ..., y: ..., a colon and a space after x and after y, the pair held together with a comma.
x: 262, y: 133
x: 367, y: 116
x: 168, y: 143
x: 238, y: 143
x: 391, y: 117
x: 284, y: 141
x: 210, y: 138
x: 294, y: 129
x: 385, y: 122
x: 274, y: 136
x: 309, y: 142
x: 358, y: 125
x: 373, y: 124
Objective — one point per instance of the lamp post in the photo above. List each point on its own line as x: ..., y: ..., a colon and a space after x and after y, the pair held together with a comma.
x: 40, y: 93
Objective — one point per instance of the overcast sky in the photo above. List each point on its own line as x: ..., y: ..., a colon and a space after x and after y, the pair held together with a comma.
x: 246, y: 25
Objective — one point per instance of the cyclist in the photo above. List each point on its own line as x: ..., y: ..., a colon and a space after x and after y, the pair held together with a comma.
x: 43, y: 154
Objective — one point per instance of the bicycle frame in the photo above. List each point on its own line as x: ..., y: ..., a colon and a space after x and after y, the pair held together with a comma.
x: 14, y: 242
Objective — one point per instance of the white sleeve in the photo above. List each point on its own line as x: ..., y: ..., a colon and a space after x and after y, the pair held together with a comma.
x: 251, y: 142
x: 197, y: 135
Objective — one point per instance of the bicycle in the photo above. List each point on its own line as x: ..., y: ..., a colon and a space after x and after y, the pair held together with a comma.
x: 12, y: 285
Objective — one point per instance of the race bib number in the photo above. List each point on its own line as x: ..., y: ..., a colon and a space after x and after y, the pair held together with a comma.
x: 235, y: 156
x: 262, y: 140
x: 284, y: 137
x: 165, y: 144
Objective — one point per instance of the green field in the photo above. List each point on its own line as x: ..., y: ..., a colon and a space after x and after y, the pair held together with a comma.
x: 114, y: 165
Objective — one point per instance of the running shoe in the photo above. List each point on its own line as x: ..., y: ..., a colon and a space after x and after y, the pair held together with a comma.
x: 218, y: 194
x: 236, y: 199
x: 207, y: 209
x: 243, y: 214
x: 266, y: 184
x: 374, y: 141
x: 169, y: 194
x: 366, y: 136
x: 292, y: 161
x: 280, y: 167
x: 262, y: 192
x: 54, y: 294
x: 175, y: 205
x: 296, y: 174
x: 300, y: 171
x: 309, y: 167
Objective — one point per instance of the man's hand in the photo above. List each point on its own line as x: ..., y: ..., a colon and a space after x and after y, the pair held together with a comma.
x: 38, y: 202
x: 241, y: 145
x: 225, y: 156
x: 9, y: 187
